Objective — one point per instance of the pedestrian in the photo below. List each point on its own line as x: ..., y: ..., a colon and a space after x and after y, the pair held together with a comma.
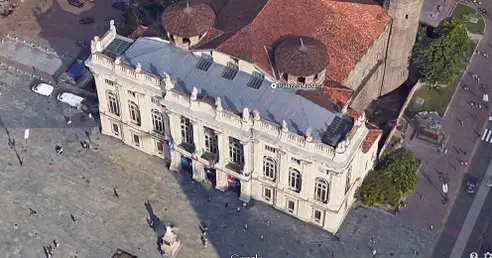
x: 461, y: 122
x: 374, y: 252
x: 238, y: 209
x: 32, y: 212
x: 74, y: 219
x: 431, y: 227
x: 262, y: 238
x: 226, y: 204
x: 59, y: 149
x: 115, y: 193
x: 209, y: 199
x: 56, y: 244
x: 245, y: 227
x: 465, y: 163
x: 332, y: 254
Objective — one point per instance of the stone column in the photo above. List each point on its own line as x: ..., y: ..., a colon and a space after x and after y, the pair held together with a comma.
x: 221, y: 178
x: 245, y: 191
x: 198, y: 171
x: 198, y: 137
x: 175, y: 161
x: 175, y: 127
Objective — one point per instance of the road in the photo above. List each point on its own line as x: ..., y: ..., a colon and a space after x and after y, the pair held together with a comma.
x: 474, y: 119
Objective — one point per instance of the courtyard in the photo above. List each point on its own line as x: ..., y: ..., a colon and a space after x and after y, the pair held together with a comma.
x: 80, y: 182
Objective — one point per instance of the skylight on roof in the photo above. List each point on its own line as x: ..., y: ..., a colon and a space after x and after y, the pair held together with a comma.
x: 117, y: 47
x: 256, y: 80
x: 204, y: 63
x: 230, y: 71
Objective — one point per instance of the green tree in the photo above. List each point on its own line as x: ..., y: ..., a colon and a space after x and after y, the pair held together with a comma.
x: 132, y: 20
x: 394, y: 178
x: 440, y: 60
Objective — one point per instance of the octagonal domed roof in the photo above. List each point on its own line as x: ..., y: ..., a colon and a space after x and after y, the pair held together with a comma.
x: 188, y: 18
x: 301, y: 56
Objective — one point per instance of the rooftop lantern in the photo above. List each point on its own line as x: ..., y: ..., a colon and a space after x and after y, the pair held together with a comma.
x: 301, y: 60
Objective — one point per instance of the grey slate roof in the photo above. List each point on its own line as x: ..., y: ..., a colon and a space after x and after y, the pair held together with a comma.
x: 159, y: 57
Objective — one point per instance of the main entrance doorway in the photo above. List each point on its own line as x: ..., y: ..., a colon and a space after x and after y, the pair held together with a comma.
x: 234, y: 185
x: 187, y: 165
x: 211, y: 176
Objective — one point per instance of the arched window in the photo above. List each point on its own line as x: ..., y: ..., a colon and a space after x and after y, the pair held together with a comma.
x: 269, y: 168
x: 295, y: 180
x: 321, y: 190
x: 348, y: 180
x: 158, y: 121
x: 134, y: 113
x: 113, y: 104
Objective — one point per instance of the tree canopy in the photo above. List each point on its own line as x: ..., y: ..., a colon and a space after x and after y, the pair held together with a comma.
x: 440, y: 60
x: 394, y: 178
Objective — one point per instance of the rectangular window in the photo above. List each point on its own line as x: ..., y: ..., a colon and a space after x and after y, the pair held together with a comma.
x: 236, y: 151
x: 186, y: 130
x: 270, y: 149
x: 136, y: 140
x: 132, y: 93
x: 256, y: 80
x: 116, y: 129
x: 317, y: 216
x: 109, y: 82
x: 211, y: 141
x: 267, y: 194
x: 230, y: 71
x: 155, y: 100
x: 298, y: 162
x: 204, y: 63
x: 291, y: 206
x: 160, y: 146
x: 113, y: 104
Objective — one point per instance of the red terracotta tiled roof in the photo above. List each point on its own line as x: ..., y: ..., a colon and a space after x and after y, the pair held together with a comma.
x: 353, y: 113
x: 371, y: 137
x: 138, y: 32
x: 347, y: 29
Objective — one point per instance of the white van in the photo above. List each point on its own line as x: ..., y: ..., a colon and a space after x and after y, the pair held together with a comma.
x: 43, y: 89
x: 70, y: 99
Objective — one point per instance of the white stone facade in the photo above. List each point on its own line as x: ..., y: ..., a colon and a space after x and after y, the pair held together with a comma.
x: 296, y: 174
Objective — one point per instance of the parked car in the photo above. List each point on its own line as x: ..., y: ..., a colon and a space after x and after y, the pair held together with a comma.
x: 471, y: 185
x: 86, y: 20
x: 70, y: 99
x: 120, y: 6
x: 82, y: 44
x: 43, y: 89
x: 76, y: 3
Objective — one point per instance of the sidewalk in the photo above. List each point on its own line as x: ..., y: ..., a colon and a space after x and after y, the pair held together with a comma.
x: 472, y: 216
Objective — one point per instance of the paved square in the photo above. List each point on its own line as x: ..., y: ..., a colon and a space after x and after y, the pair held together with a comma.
x: 81, y: 181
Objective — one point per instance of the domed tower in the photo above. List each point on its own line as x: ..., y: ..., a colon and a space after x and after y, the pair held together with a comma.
x: 301, y: 60
x: 405, y: 16
x: 186, y: 22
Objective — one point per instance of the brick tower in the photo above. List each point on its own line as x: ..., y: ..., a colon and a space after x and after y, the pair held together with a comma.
x: 405, y: 16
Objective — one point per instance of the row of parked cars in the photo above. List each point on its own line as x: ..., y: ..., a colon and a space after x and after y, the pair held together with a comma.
x: 65, y: 97
x: 77, y: 3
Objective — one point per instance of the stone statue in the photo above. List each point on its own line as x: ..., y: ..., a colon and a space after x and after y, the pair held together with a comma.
x: 218, y: 104
x: 256, y: 115
x: 96, y: 45
x: 341, y: 147
x: 246, y: 115
x: 167, y: 81
x: 138, y: 68
x: 285, y: 128
x: 309, y: 135
x: 112, y: 26
x: 171, y: 244
x: 361, y: 119
x: 194, y: 93
x: 118, y: 60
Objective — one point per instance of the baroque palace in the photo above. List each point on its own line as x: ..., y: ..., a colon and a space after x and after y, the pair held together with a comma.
x: 264, y: 97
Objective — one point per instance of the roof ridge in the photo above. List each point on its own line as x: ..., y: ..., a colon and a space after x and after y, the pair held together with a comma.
x: 146, y: 53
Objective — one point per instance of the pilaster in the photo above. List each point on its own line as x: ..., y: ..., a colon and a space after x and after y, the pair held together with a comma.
x: 247, y: 154
x: 198, y: 137
x: 175, y: 127
x: 223, y: 142
x: 283, y: 168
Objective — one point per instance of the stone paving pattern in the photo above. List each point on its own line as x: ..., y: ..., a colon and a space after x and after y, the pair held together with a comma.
x: 81, y: 181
